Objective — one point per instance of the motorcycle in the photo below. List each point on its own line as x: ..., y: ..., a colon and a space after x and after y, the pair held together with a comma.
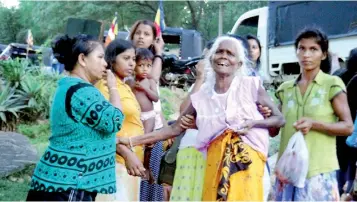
x: 178, y: 73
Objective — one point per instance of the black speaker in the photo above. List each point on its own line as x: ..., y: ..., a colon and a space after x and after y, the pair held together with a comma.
x: 77, y: 26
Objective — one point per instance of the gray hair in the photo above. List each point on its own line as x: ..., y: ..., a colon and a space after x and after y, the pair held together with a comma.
x: 241, y: 57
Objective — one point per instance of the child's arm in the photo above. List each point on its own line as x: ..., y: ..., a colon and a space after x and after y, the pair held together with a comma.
x: 150, y: 90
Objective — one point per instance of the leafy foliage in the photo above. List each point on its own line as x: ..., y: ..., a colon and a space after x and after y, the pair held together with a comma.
x: 26, y: 93
x: 11, y: 104
x: 9, y: 24
x: 37, y: 133
x: 13, y: 71
x: 199, y: 15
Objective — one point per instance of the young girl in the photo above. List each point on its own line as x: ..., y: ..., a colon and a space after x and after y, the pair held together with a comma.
x: 120, y: 56
x: 143, y: 35
x: 145, y: 88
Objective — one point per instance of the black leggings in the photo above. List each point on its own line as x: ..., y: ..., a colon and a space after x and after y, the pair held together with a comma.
x: 70, y: 195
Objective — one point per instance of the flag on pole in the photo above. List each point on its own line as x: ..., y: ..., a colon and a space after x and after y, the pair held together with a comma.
x: 29, y: 41
x: 159, y: 19
x: 29, y: 38
x: 112, y: 32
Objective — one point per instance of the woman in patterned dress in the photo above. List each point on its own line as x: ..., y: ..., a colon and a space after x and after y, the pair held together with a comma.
x: 79, y: 161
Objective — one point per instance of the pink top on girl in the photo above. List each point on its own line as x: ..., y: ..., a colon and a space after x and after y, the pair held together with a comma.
x: 218, y: 112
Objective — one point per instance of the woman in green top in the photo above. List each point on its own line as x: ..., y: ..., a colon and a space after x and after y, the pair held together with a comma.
x: 80, y: 159
x: 315, y: 104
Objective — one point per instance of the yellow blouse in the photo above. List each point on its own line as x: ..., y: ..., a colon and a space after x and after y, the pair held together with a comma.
x: 132, y: 125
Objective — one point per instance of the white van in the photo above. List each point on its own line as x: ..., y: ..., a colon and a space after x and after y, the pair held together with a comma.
x: 277, y: 25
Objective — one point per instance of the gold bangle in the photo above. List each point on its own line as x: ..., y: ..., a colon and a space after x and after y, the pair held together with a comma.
x: 113, y: 88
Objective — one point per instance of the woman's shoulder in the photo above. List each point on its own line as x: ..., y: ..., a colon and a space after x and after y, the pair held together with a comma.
x: 287, y: 84
x: 72, y: 85
x: 250, y: 79
x: 333, y: 81
x: 202, y: 93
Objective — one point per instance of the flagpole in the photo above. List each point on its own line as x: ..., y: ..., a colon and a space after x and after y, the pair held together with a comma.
x: 116, y: 16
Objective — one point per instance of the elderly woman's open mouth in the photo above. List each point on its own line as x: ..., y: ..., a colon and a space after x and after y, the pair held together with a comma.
x: 222, y: 64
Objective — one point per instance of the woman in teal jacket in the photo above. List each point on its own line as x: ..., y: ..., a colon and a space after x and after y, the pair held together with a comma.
x: 80, y: 159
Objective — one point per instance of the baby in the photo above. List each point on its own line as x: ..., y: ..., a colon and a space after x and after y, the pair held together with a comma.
x: 145, y: 89
x: 146, y: 93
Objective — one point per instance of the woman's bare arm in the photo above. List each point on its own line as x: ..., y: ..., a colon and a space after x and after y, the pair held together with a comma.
x: 187, y: 101
x: 162, y: 134
x: 156, y: 69
x: 157, y: 63
x: 196, y: 87
x: 273, y: 131
x: 276, y: 120
x: 344, y: 126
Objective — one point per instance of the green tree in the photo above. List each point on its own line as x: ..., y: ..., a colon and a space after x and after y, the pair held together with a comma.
x: 49, y: 18
x: 9, y: 25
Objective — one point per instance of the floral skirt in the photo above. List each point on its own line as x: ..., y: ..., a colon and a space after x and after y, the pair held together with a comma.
x: 322, y: 187
x: 189, y: 175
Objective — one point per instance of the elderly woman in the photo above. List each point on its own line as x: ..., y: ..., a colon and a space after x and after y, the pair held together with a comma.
x: 233, y: 135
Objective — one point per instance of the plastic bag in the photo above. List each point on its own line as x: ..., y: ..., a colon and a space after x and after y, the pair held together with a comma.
x: 293, y: 165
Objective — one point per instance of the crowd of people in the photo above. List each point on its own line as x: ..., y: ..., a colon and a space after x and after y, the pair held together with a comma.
x: 109, y: 134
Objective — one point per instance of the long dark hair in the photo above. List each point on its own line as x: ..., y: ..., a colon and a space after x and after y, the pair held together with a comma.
x: 67, y: 49
x: 251, y: 37
x: 144, y: 22
x: 321, y: 40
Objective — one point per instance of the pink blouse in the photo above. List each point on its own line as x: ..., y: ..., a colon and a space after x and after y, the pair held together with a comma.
x: 218, y: 112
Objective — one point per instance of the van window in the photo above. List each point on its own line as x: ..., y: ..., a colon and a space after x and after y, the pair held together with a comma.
x: 248, y: 26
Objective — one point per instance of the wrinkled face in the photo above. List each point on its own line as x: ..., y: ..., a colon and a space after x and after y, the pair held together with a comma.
x: 224, y: 60
x: 143, y: 68
x: 254, y: 51
x: 94, y: 63
x: 143, y: 36
x: 125, y: 63
x: 309, y: 54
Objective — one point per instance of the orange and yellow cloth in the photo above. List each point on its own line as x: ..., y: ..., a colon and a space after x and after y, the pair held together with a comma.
x: 234, y: 171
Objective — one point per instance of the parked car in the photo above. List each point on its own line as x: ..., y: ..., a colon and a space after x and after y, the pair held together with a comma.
x: 36, y: 54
